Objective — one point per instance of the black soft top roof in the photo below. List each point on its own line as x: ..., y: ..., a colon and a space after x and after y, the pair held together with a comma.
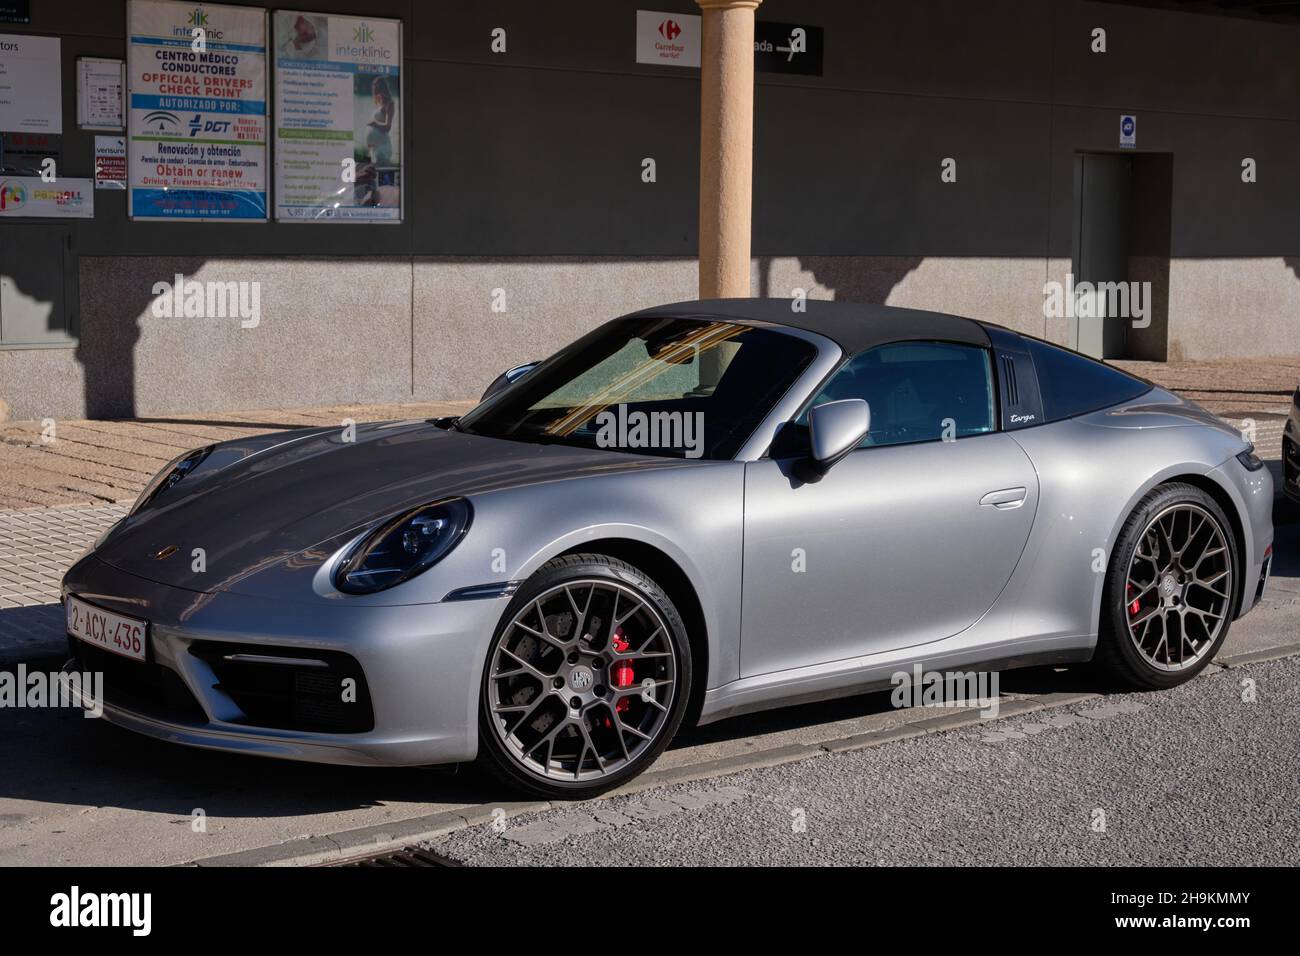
x: 852, y: 326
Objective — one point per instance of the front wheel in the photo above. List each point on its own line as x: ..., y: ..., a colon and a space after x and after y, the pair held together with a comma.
x: 586, y: 681
x: 1170, y: 589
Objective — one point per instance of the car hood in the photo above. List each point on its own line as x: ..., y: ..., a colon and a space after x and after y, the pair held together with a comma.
x: 257, y: 502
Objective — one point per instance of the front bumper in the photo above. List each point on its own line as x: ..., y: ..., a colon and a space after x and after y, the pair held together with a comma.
x: 422, y: 667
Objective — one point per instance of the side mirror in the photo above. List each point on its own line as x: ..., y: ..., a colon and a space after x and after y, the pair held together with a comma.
x: 508, y: 378
x: 836, y: 428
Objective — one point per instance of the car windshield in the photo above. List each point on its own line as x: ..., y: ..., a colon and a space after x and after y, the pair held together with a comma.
x: 672, y: 387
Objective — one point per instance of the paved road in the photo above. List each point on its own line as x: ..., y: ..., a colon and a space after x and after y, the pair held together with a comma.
x: 1191, y: 776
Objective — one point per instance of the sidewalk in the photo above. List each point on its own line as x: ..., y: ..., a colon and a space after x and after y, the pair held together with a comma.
x: 103, y: 462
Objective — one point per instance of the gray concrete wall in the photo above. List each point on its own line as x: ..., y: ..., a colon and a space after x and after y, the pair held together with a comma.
x: 523, y: 173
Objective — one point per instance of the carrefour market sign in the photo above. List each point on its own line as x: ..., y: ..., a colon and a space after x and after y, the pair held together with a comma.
x: 197, y: 81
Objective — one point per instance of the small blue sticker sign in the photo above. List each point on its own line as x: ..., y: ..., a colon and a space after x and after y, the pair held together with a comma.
x: 1128, y: 132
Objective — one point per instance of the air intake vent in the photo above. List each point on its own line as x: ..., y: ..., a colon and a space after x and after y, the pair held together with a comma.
x: 1009, y: 376
x: 290, y: 688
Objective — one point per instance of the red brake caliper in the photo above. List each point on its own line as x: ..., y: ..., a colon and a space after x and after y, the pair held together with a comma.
x: 621, y: 674
x: 1136, y: 605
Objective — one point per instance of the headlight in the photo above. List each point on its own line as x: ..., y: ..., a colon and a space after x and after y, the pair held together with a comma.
x: 404, y: 546
x: 1249, y: 460
x: 172, y: 472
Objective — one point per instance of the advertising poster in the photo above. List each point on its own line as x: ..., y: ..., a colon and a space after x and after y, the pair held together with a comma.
x: 110, y: 162
x: 31, y: 196
x: 99, y: 93
x: 338, y: 118
x: 197, y: 144
x: 31, y: 84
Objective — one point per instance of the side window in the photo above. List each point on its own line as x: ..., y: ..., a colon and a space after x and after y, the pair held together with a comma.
x: 1073, y: 384
x: 918, y: 391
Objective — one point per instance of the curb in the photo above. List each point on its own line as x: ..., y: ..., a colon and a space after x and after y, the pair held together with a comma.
x: 1257, y: 657
x: 337, y: 847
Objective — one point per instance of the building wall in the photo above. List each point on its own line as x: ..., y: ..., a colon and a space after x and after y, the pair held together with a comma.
x: 523, y: 174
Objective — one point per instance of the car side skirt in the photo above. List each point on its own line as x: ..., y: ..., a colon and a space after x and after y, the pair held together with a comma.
x: 808, y: 685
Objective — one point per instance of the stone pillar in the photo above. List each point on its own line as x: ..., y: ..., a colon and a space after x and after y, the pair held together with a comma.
x: 726, y: 146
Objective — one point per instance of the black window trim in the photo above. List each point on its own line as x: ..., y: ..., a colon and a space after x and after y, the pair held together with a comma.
x: 817, y: 390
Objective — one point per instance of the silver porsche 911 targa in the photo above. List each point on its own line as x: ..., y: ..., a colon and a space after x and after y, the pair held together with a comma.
x: 691, y: 512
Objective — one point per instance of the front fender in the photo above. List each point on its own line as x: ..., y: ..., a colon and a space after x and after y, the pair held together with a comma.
x: 692, y: 514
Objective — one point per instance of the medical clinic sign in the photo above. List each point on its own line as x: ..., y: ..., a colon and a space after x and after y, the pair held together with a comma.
x: 197, y: 79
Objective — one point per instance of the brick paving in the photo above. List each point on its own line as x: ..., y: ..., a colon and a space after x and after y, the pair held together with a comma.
x: 103, y: 462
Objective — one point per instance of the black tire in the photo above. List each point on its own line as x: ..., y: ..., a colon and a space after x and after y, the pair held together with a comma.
x: 574, y: 569
x: 1117, y: 654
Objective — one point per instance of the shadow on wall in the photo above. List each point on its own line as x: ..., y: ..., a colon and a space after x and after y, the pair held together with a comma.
x: 109, y: 329
x: 869, y: 280
x: 1152, y: 342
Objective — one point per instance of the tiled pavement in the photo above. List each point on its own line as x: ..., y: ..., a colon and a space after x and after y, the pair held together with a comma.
x: 36, y: 548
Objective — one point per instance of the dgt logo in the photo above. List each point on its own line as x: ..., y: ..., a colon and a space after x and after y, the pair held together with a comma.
x: 670, y: 29
x: 211, y: 126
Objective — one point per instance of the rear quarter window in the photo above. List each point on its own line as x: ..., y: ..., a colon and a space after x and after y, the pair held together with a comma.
x: 1073, y: 384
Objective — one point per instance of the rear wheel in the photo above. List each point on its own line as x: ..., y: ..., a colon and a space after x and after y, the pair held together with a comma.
x: 587, y: 679
x: 1170, y: 590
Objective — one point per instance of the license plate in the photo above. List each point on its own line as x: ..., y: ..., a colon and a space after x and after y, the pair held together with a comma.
x: 113, y: 632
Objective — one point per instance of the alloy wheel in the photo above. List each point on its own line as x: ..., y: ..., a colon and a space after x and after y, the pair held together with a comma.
x: 1178, y: 590
x: 582, y: 680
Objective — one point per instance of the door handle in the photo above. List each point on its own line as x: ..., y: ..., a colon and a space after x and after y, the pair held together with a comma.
x: 1006, y: 499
